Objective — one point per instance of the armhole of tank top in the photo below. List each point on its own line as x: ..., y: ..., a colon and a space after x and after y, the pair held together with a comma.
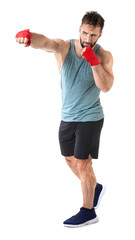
x: 72, y: 44
x: 66, y: 56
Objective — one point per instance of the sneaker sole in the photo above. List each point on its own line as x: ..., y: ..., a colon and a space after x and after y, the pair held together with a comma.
x: 100, y: 196
x: 83, y: 224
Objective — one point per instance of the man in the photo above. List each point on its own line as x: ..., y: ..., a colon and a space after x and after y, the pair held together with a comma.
x: 85, y: 69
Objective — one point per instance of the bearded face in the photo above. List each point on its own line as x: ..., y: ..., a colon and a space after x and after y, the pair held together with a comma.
x: 86, y: 44
x: 89, y: 35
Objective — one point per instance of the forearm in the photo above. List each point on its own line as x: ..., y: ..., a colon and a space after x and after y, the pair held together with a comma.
x: 38, y: 41
x: 102, y: 73
x: 103, y: 79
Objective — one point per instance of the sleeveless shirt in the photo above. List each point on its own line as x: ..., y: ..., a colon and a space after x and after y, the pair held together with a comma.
x: 80, y: 95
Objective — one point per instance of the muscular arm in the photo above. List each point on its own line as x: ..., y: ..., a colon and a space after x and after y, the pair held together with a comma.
x: 101, y: 67
x: 38, y: 41
x: 102, y: 73
x: 57, y: 46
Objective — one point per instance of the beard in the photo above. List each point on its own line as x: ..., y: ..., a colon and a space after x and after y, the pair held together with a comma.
x: 90, y: 44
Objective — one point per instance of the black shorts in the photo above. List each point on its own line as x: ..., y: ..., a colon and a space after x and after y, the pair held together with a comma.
x: 79, y: 139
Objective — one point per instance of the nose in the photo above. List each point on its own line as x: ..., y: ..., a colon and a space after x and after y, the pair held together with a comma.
x: 88, y: 39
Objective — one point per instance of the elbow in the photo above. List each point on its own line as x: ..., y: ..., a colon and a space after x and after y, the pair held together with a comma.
x: 108, y: 87
x: 104, y: 89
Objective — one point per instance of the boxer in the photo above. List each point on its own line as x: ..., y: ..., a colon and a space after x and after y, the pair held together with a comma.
x: 86, y: 70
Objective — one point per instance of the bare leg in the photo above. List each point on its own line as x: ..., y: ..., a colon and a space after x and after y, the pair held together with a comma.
x: 72, y: 163
x: 88, y: 181
x: 84, y: 171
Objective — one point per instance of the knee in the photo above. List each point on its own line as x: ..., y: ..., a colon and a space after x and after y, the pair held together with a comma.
x: 69, y: 160
x: 83, y: 165
x: 86, y: 171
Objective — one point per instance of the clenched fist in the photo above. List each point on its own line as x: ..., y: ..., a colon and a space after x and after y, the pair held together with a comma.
x: 24, y: 37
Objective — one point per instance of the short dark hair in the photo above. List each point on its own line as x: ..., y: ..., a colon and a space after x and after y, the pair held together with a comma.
x: 93, y: 18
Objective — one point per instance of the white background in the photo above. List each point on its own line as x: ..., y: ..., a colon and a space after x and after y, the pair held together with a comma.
x: 37, y: 190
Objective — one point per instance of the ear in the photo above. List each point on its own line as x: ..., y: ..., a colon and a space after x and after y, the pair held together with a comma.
x: 79, y: 29
x: 100, y: 34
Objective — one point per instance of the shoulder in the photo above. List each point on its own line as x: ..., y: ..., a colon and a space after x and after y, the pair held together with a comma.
x: 63, y: 48
x: 62, y: 44
x: 105, y: 56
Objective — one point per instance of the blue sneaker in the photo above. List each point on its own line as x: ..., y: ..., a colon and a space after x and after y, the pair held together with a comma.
x: 99, y: 192
x: 84, y: 217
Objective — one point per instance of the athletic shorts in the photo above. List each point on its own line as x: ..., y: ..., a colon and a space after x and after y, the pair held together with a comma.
x: 79, y: 139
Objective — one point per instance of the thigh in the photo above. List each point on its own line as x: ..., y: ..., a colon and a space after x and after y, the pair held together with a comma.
x: 87, y: 139
x: 67, y: 138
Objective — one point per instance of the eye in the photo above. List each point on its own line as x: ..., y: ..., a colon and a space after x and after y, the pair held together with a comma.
x: 84, y: 33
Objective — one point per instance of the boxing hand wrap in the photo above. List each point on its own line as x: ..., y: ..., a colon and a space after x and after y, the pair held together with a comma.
x: 91, y: 57
x: 25, y: 34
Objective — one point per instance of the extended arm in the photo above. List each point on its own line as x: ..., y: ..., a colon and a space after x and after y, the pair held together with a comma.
x: 37, y: 41
x: 42, y: 42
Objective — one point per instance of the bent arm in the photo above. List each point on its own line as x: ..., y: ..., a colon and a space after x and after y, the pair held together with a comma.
x: 103, y: 74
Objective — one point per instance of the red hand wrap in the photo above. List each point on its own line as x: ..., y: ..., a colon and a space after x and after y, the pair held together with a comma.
x: 91, y: 57
x: 25, y: 34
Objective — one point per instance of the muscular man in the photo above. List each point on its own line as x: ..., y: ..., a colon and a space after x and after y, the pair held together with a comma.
x: 85, y: 69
